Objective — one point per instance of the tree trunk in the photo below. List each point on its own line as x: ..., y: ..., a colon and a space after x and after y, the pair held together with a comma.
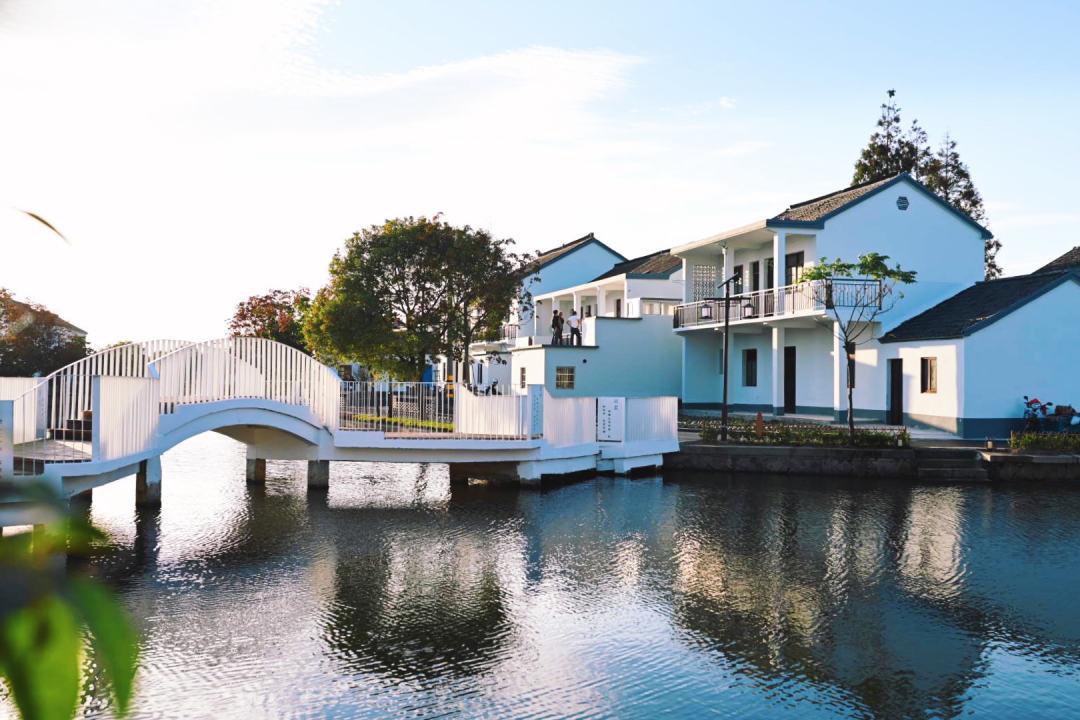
x: 851, y: 413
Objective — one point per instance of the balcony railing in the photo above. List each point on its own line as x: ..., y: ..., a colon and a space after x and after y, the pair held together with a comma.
x: 813, y: 296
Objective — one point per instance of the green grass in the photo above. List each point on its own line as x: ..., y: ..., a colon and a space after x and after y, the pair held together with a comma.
x: 406, y: 422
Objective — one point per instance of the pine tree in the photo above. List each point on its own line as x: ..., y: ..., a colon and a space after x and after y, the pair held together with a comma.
x: 948, y: 176
x: 892, y: 150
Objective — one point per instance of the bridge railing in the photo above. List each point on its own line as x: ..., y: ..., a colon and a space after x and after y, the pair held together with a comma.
x: 652, y: 418
x: 569, y: 421
x: 245, y: 367
x: 125, y: 417
x: 419, y: 410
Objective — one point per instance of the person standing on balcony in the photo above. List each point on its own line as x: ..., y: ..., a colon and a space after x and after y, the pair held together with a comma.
x: 575, y: 328
x: 556, y: 328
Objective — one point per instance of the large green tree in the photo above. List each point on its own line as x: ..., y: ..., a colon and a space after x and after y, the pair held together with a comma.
x: 892, y: 150
x: 33, y: 340
x: 412, y: 288
x: 278, y: 315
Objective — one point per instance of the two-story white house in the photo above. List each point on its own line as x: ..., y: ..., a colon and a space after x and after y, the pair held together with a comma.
x: 784, y: 356
x: 627, y: 348
x: 567, y: 265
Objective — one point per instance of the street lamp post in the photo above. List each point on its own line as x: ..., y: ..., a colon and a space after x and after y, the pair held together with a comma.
x: 727, y: 333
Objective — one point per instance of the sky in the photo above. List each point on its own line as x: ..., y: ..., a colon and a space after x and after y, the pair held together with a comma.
x: 199, y: 152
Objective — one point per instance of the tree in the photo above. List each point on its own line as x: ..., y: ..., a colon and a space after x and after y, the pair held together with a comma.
x: 855, y: 296
x: 484, y: 278
x: 34, y: 340
x: 412, y: 288
x: 947, y: 175
x: 278, y: 315
x: 891, y: 149
x: 385, y: 305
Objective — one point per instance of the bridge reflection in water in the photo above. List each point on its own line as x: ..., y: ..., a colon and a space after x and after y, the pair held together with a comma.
x: 389, y: 595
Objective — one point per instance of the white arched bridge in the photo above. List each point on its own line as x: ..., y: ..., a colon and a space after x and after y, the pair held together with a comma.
x: 114, y: 413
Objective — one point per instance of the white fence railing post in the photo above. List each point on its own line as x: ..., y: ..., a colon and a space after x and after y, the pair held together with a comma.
x: 7, y: 440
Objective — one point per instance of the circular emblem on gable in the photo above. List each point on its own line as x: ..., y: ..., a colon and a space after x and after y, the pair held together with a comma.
x: 902, y: 202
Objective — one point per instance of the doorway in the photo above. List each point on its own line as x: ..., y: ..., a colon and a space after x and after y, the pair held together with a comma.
x: 789, y: 379
x: 895, y: 400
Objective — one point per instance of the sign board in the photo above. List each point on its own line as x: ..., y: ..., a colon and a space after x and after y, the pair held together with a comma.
x: 536, y: 410
x: 610, y: 419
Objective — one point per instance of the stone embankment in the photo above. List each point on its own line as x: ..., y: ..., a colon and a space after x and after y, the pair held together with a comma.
x: 926, y: 464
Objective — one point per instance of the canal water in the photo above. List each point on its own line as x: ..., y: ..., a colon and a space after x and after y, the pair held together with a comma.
x: 685, y: 596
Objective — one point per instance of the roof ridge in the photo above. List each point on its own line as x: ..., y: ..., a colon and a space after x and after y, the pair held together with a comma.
x: 849, y: 188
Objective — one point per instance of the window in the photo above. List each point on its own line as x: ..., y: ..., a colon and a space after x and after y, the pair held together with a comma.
x: 737, y: 286
x: 721, y: 357
x: 564, y: 378
x: 769, y: 265
x: 749, y: 368
x: 928, y: 368
x: 522, y: 378
x: 755, y: 276
x: 618, y: 307
x: 850, y: 349
x: 479, y: 373
x: 793, y: 268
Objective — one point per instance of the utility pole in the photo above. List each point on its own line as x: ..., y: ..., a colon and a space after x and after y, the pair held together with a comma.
x: 726, y: 287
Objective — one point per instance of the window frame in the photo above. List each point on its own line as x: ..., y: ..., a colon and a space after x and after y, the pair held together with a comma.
x: 561, y: 371
x: 928, y: 375
x: 750, y: 362
x: 523, y: 386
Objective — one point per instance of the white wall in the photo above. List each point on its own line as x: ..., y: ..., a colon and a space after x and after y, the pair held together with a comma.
x: 532, y: 361
x: 1033, y: 351
x: 813, y: 366
x: 946, y: 252
x: 701, y: 366
x: 634, y: 358
x: 574, y: 268
x: 738, y: 394
x: 947, y: 402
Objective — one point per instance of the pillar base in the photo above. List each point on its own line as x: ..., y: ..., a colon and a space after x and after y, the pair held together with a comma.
x: 256, y: 471
x: 148, y: 483
x: 318, y: 474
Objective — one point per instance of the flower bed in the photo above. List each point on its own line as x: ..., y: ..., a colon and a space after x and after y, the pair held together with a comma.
x: 779, y: 432
x: 403, y: 422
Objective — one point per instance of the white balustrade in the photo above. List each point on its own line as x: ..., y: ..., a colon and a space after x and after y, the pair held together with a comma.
x: 569, y: 421
x: 126, y: 416
x: 652, y: 418
x: 245, y: 367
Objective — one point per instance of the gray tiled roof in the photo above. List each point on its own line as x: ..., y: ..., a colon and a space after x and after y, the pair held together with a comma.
x: 60, y: 322
x: 662, y: 262
x: 983, y: 302
x: 819, y: 207
x: 1070, y: 259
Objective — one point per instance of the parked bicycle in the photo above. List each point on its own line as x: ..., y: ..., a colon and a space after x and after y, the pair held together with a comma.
x: 1035, y: 411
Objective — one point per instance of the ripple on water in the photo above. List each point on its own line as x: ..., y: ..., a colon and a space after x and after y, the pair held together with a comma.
x: 390, y: 596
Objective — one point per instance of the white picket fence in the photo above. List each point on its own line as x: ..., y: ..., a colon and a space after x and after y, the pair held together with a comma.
x: 652, y: 418
x: 491, y: 417
x: 569, y: 421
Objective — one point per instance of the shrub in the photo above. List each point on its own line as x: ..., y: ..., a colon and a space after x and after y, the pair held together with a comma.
x: 780, y: 432
x: 1057, y: 442
x: 709, y: 433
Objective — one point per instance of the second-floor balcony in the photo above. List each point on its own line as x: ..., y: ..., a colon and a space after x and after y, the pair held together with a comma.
x: 806, y: 298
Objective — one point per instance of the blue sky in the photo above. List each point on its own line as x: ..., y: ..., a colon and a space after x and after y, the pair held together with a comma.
x: 198, y: 152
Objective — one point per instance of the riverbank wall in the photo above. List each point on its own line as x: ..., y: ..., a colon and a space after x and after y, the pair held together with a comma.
x: 935, y: 465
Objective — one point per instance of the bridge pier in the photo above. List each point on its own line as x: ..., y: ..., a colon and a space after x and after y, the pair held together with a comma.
x: 148, y: 483
x: 318, y: 474
x: 256, y: 471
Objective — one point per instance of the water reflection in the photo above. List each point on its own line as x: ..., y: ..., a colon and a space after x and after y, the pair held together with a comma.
x: 390, y: 595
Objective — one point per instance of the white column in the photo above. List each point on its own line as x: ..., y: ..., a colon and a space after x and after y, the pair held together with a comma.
x: 839, y: 384
x: 779, y: 246
x: 688, y: 281
x: 601, y: 301
x: 724, y: 267
x: 577, y: 304
x: 777, y: 370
